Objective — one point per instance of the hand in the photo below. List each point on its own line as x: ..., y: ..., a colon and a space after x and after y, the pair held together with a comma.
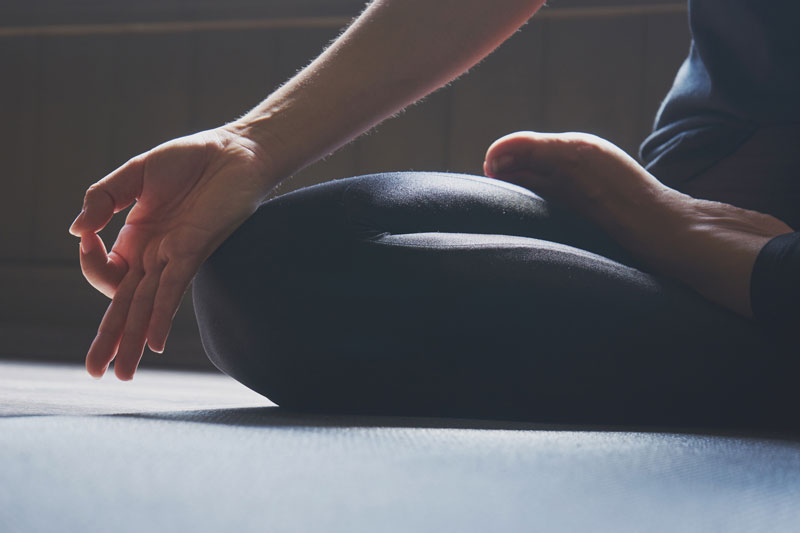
x: 190, y: 194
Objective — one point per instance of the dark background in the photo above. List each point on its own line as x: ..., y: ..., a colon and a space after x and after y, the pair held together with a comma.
x: 86, y: 85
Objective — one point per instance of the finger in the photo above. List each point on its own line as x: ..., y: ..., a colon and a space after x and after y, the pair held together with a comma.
x: 104, y: 346
x: 113, y: 193
x: 173, y: 284
x: 103, y: 271
x: 135, y: 334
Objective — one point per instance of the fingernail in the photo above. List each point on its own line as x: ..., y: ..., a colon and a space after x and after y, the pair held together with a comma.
x: 501, y: 163
x: 72, y: 226
x: 97, y: 375
x: 88, y: 244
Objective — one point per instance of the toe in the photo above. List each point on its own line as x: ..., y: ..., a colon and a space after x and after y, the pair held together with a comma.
x: 509, y: 153
x: 538, y: 153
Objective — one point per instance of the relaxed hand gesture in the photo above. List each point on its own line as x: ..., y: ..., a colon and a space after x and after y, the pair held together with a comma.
x: 190, y: 194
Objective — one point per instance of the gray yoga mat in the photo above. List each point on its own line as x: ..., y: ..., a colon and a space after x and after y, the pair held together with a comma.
x: 179, y: 451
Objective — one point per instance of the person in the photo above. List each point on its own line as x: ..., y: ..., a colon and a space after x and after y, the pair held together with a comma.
x: 431, y: 293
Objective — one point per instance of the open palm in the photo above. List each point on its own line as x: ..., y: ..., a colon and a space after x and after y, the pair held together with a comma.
x: 190, y: 194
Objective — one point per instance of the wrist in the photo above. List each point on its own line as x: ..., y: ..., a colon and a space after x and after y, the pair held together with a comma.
x: 255, y: 162
x: 272, y: 136
x: 266, y: 148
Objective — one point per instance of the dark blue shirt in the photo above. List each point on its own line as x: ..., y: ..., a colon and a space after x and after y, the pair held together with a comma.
x: 743, y: 71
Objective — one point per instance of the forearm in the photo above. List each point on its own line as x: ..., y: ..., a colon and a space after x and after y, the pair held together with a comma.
x: 395, y: 53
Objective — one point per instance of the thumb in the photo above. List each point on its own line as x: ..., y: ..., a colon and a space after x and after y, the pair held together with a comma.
x: 111, y: 194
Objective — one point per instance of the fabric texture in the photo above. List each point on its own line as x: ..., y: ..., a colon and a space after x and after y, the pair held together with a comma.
x: 775, y: 284
x: 740, y: 75
x: 450, y: 295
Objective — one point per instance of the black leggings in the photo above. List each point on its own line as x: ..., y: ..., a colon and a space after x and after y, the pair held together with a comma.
x: 439, y: 294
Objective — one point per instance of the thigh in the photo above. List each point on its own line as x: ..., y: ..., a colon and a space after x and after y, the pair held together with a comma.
x: 431, y: 294
x: 416, y: 202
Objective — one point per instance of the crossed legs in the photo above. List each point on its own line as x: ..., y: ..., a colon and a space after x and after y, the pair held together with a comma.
x: 440, y: 294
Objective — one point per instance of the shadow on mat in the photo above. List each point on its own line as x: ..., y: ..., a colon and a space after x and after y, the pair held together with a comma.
x: 281, y: 417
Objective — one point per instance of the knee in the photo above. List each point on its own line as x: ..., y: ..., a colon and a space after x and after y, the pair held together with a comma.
x: 257, y: 296
x: 241, y: 335
x: 237, y: 294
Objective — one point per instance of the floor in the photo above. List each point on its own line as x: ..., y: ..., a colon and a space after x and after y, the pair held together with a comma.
x: 180, y: 451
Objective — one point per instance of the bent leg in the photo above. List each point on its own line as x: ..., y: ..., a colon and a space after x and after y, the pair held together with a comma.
x: 428, y: 294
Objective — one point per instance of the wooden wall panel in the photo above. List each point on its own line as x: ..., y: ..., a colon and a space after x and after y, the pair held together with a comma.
x: 77, y: 106
x: 154, y: 91
x: 414, y: 140
x: 593, y: 69
x: 501, y: 95
x: 153, y: 98
x: 73, y: 144
x: 21, y: 13
x: 55, y: 314
x: 19, y: 109
x: 54, y: 12
x: 231, y: 73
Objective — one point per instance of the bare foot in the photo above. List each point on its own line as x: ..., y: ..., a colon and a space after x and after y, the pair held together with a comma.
x: 710, y: 246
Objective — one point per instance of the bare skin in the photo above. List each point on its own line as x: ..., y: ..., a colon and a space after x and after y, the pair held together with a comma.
x: 190, y: 193
x: 709, y: 246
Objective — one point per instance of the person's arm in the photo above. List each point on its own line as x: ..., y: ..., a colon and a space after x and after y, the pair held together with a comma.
x: 190, y: 193
x: 395, y: 53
